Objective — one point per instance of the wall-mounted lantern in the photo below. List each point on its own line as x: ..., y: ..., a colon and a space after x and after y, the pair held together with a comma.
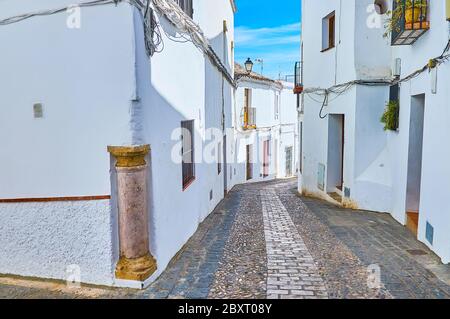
x: 381, y: 6
x: 249, y: 66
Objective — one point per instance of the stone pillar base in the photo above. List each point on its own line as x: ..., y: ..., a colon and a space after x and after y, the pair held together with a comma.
x: 135, y: 263
x: 138, y: 269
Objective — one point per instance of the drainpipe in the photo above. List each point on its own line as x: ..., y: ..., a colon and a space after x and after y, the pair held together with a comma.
x: 135, y: 263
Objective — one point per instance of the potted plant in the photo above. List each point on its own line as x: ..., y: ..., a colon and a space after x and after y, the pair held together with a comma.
x: 390, y: 117
x: 411, y: 11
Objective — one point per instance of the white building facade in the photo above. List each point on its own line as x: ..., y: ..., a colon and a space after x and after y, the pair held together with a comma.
x: 266, y: 128
x: 90, y: 77
x: 347, y: 156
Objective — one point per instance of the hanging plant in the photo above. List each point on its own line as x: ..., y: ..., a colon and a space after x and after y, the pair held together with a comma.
x: 404, y: 10
x: 390, y: 117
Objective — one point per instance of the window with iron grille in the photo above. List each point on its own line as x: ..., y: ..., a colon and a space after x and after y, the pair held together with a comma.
x: 186, y: 6
x: 187, y: 151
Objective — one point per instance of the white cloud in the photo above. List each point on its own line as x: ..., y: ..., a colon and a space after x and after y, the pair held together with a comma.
x: 279, y: 47
x: 284, y: 34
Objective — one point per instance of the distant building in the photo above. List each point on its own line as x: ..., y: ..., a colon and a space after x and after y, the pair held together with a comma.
x: 266, y: 127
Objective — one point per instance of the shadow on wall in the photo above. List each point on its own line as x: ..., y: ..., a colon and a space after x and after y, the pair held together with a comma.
x: 200, y: 96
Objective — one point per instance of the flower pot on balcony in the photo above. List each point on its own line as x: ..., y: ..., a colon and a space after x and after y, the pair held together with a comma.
x: 412, y: 15
x: 298, y: 89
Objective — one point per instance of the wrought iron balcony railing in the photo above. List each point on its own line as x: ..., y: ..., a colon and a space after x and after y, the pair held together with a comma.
x: 410, y: 20
x: 298, y: 78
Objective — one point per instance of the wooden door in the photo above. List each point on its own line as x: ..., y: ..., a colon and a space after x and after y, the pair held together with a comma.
x: 266, y: 159
x: 249, y: 166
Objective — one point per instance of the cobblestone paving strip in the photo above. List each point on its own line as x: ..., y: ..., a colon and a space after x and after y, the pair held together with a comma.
x: 191, y: 274
x: 292, y: 273
x: 242, y: 271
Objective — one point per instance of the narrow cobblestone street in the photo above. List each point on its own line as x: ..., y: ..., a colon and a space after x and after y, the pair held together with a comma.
x: 265, y: 241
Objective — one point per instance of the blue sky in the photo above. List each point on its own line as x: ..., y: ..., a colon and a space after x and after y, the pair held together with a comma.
x: 270, y: 31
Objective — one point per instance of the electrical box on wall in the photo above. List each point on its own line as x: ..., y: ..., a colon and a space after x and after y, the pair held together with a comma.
x: 38, y: 111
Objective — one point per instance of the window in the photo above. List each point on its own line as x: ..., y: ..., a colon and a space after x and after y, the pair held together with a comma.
x: 248, y: 98
x: 187, y: 151
x: 249, y: 112
x: 328, y: 31
x: 186, y: 6
x: 410, y: 20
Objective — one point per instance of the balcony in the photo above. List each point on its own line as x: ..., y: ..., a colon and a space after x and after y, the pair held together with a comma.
x: 249, y: 118
x: 298, y: 78
x: 409, y: 21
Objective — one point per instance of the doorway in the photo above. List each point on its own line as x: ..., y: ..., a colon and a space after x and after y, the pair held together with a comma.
x: 335, y: 172
x: 289, y: 151
x: 249, y: 165
x: 415, y: 150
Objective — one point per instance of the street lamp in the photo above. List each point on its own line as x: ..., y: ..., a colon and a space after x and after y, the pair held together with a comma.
x: 249, y: 66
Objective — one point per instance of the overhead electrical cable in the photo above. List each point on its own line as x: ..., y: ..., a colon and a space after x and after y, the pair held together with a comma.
x: 189, y: 31
x: 342, y: 88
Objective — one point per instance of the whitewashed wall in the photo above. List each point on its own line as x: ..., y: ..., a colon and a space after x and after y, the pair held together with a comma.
x: 86, y: 96
x: 435, y: 179
x: 281, y: 131
x: 365, y: 169
x: 99, y: 88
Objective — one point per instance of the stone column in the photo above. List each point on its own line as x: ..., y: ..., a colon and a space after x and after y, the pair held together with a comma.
x: 136, y: 262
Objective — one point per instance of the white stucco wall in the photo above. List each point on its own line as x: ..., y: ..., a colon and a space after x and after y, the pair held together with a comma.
x: 84, y: 94
x: 99, y: 88
x: 45, y: 239
x: 435, y: 177
x: 86, y: 97
x: 377, y: 161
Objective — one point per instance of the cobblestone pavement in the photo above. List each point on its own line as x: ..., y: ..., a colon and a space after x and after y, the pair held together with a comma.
x: 344, y: 243
x: 264, y: 240
x: 242, y: 272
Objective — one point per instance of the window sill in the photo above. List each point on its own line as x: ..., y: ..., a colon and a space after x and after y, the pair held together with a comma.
x: 327, y: 49
x: 188, y: 183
